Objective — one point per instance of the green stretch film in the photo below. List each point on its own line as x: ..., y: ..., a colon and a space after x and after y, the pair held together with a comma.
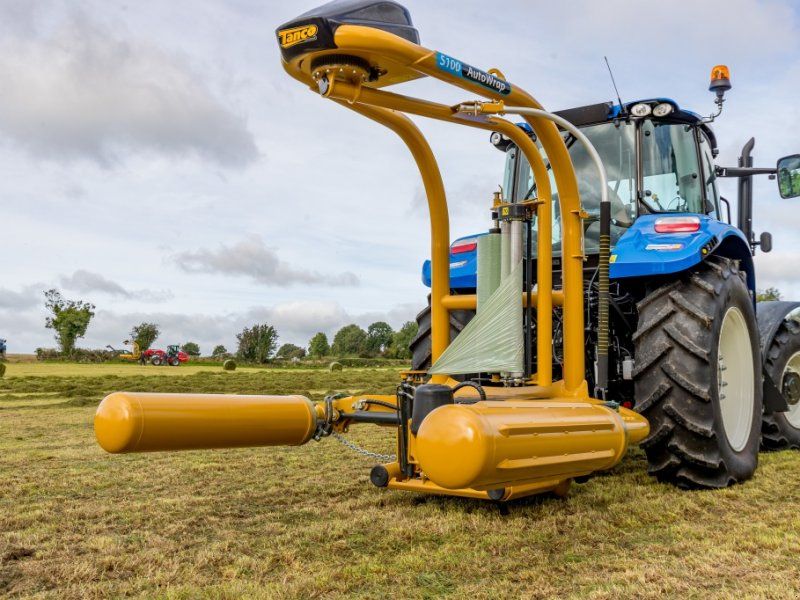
x: 488, y: 266
x: 492, y: 342
x: 505, y: 249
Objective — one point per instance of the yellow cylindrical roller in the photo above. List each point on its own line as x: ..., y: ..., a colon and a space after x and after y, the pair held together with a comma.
x: 489, y: 445
x: 137, y: 422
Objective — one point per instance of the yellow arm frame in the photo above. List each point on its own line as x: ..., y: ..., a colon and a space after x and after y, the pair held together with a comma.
x: 404, y: 60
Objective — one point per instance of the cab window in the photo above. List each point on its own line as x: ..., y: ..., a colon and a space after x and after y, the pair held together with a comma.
x: 709, y: 176
x: 671, y: 176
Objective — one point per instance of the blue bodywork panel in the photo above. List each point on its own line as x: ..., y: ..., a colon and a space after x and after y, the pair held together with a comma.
x: 463, y: 268
x: 640, y: 252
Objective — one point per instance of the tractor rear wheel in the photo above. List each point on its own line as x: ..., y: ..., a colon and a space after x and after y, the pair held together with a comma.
x: 156, y: 360
x: 782, y: 430
x: 420, y: 346
x: 697, y: 378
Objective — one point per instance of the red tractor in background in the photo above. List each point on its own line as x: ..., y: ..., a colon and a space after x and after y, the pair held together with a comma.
x: 173, y: 357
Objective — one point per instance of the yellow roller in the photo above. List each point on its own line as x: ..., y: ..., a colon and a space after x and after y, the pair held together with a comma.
x: 490, y: 444
x: 138, y: 422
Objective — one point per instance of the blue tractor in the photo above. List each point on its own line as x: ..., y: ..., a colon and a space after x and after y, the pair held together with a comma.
x: 716, y: 374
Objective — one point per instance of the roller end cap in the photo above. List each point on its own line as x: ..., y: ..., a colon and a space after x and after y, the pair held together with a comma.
x: 117, y: 423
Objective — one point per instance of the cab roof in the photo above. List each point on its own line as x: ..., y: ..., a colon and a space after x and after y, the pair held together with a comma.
x: 593, y: 114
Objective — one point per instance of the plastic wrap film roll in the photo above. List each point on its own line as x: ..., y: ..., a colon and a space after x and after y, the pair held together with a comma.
x: 488, y: 266
x: 492, y: 342
x: 505, y: 249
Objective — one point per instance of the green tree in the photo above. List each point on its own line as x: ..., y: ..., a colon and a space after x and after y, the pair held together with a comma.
x: 379, y: 337
x: 771, y: 293
x: 401, y: 341
x: 350, y: 340
x: 69, y: 319
x: 318, y: 346
x: 219, y: 351
x: 257, y: 343
x: 145, y: 334
x: 290, y: 351
x: 191, y: 348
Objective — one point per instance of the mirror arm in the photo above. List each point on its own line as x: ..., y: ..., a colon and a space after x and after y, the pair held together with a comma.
x: 744, y: 171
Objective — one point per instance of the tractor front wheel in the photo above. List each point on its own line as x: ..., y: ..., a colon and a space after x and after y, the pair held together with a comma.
x: 156, y: 361
x: 782, y: 430
x: 697, y: 378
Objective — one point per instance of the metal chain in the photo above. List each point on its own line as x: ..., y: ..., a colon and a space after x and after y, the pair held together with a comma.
x: 358, y: 449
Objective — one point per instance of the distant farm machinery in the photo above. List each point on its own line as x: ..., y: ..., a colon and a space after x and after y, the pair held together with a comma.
x: 173, y: 356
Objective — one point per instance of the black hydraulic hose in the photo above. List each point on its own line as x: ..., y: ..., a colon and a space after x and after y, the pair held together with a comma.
x: 603, y: 295
x: 471, y: 384
x: 381, y: 403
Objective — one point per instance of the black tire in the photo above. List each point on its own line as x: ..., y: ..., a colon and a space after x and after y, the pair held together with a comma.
x: 156, y: 361
x: 420, y: 346
x: 676, y: 378
x: 173, y: 362
x: 777, y: 433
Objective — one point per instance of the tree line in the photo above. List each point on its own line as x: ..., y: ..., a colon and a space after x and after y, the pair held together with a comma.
x: 70, y: 319
x: 259, y: 343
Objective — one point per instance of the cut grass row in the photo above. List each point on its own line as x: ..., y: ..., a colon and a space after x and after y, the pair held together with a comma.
x: 304, y: 522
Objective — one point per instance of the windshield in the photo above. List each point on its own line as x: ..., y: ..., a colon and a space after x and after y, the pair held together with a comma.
x: 616, y: 144
x: 671, y: 179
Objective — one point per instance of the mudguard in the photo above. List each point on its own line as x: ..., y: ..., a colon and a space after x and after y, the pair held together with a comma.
x: 643, y: 252
x: 770, y: 316
x: 463, y: 268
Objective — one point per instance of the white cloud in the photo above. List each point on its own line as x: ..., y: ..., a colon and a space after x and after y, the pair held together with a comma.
x: 87, y: 282
x: 82, y: 92
x: 28, y: 297
x: 252, y: 258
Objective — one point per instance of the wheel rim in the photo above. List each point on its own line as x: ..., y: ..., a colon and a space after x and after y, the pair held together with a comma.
x: 735, y: 378
x: 790, y: 387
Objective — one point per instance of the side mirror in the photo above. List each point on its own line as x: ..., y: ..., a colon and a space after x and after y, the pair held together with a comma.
x: 788, y: 172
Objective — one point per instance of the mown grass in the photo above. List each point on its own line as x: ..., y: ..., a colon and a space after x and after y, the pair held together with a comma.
x: 305, y: 523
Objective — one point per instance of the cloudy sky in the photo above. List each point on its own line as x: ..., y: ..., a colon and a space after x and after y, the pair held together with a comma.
x: 156, y: 161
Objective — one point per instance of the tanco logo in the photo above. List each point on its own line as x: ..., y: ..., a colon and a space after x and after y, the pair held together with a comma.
x: 297, y: 35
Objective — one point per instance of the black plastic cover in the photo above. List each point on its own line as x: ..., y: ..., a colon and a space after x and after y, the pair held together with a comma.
x: 314, y: 30
x: 428, y: 398
x: 586, y: 115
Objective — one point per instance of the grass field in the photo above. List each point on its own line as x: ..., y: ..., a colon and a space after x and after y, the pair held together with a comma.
x: 305, y: 523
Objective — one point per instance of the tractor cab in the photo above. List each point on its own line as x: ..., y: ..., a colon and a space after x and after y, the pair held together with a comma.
x: 658, y: 162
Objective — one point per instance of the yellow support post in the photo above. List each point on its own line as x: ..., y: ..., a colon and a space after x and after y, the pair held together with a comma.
x: 437, y: 208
